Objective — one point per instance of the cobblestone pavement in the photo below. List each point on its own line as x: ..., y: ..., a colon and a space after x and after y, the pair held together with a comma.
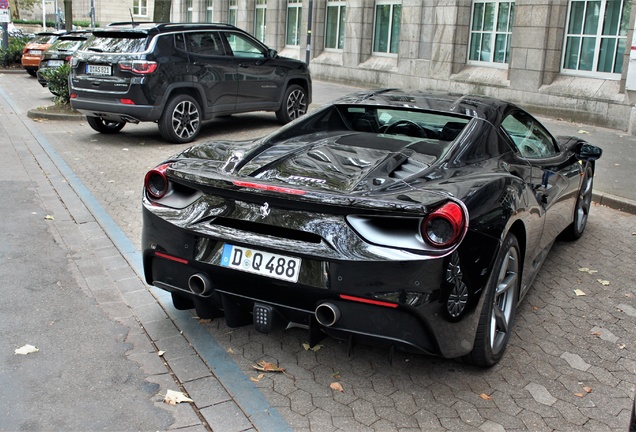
x: 570, y: 365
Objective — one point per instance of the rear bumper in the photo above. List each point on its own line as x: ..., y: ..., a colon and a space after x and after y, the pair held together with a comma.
x: 113, y: 110
x: 399, y: 303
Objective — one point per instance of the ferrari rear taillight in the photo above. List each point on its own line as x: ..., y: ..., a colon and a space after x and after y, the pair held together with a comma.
x: 444, y: 226
x: 156, y: 182
x: 142, y: 67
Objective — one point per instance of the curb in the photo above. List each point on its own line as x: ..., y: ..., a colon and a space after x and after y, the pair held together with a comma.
x: 614, y: 202
x: 35, y: 114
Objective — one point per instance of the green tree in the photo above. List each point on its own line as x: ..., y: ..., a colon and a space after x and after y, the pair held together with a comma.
x: 162, y: 11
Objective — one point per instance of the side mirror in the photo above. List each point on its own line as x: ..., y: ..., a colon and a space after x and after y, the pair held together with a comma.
x: 272, y: 53
x: 587, y: 152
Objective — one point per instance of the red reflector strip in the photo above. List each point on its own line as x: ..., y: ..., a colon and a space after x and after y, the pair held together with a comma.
x: 368, y: 301
x: 269, y: 188
x: 171, y: 258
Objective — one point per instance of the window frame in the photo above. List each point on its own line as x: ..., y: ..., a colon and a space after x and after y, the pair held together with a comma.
x: 493, y: 33
x: 341, y: 7
x: 260, y: 31
x: 189, y: 10
x: 141, y: 6
x: 298, y: 5
x: 390, y: 41
x: 530, y: 124
x: 232, y: 12
x: 598, y: 37
x: 209, y: 11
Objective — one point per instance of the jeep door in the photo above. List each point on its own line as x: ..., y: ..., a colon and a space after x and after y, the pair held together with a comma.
x: 212, y: 70
x: 260, y: 82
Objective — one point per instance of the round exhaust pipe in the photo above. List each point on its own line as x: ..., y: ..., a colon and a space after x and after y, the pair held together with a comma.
x: 327, y: 314
x: 199, y: 284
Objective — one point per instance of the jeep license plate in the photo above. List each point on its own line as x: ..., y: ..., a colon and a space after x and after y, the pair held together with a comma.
x: 55, y: 63
x: 98, y: 70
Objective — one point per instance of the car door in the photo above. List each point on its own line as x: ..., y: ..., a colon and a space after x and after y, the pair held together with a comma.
x: 213, y: 69
x: 259, y: 84
x: 552, y: 174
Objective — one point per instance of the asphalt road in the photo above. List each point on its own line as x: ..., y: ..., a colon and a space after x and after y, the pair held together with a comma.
x: 570, y: 365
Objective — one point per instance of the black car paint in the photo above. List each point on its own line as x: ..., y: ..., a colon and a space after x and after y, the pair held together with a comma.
x: 501, y: 191
x: 213, y: 80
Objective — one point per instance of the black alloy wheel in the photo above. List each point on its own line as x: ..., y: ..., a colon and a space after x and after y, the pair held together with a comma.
x: 500, y: 306
x: 181, y: 120
x: 294, y: 104
x: 583, y: 206
x: 105, y: 126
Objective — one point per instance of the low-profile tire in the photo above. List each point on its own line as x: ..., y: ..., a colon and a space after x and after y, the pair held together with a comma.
x: 583, y: 205
x: 294, y: 104
x: 105, y: 126
x: 181, y: 119
x: 32, y: 72
x: 500, y: 306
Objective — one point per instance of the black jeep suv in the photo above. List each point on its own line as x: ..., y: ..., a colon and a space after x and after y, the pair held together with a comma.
x: 181, y: 74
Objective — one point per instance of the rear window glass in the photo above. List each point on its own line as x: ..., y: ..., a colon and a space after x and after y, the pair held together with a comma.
x: 117, y: 43
x: 66, y: 44
x: 44, y: 39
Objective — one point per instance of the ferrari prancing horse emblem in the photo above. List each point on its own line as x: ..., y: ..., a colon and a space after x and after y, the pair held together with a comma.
x: 264, y: 210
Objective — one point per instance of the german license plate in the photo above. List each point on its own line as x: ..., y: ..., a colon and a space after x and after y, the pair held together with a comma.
x: 98, y: 70
x: 261, y: 263
x: 55, y: 63
x: 35, y: 52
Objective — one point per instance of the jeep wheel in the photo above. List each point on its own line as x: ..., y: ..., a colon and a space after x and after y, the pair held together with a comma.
x: 105, y: 126
x: 181, y: 119
x: 294, y: 104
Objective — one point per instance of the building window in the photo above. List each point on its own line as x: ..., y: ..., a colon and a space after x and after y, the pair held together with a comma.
x: 386, y: 35
x: 491, y: 31
x: 140, y: 7
x: 260, y: 19
x: 209, y: 11
x: 189, y: 11
x: 231, y: 13
x: 596, y: 37
x: 335, y: 24
x: 294, y: 17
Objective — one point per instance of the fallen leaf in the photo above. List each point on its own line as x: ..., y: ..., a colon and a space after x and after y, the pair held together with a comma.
x: 597, y: 334
x: 258, y: 378
x: 205, y: 321
x: 534, y: 308
x: 230, y: 351
x: 27, y: 349
x: 306, y: 346
x: 484, y: 396
x: 621, y: 346
x: 175, y: 397
x: 336, y: 386
x: 629, y: 295
x: 578, y: 292
x: 583, y: 131
x: 267, y: 367
x: 603, y: 282
x: 579, y: 394
x: 161, y: 353
x: 587, y: 270
x: 49, y: 217
x: 336, y: 375
x: 587, y: 389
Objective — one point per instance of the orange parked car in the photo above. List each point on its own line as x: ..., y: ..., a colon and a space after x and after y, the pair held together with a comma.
x: 32, y: 52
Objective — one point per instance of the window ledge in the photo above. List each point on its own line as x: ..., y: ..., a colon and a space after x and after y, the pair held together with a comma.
x: 492, y: 77
x: 291, y: 52
x: 389, y: 64
x: 588, y: 88
x: 329, y: 58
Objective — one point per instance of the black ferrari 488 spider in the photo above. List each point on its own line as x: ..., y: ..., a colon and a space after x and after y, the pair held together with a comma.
x: 411, y: 219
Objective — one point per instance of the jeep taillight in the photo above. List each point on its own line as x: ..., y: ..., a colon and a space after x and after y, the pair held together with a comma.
x: 141, y: 67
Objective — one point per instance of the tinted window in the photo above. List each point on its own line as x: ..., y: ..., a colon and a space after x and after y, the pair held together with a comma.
x: 242, y: 46
x: 117, y: 42
x: 205, y: 43
x: 530, y: 138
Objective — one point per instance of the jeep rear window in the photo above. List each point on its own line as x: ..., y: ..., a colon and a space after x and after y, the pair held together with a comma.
x: 112, y: 42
